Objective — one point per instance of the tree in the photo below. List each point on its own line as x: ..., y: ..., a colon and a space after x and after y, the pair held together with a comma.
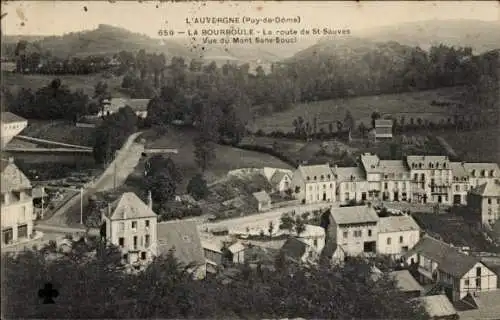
x: 270, y: 229
x: 300, y: 225
x: 204, y: 151
x: 197, y: 187
x: 287, y: 222
x: 349, y: 122
x: 375, y: 115
x: 162, y: 179
x: 362, y: 129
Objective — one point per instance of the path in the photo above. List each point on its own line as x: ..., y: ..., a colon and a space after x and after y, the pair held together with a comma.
x: 124, y: 164
x: 67, y: 145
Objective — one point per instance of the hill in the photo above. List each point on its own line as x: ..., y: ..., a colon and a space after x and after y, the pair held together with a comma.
x: 480, y: 35
x: 105, y: 40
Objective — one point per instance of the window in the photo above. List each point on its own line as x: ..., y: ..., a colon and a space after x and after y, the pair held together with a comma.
x: 478, y: 283
x: 415, y: 176
x: 401, y: 239
x: 329, y: 176
x: 483, y: 173
x: 315, y: 242
x: 388, y: 240
x: 385, y: 185
x: 121, y: 226
x: 121, y: 242
x: 457, y: 188
x: 310, y: 253
x: 346, y: 196
x: 324, y: 186
x: 478, y: 271
x: 135, y: 242
x: 331, y: 185
x: 489, y: 200
x: 492, y: 173
x: 466, y: 282
x: 134, y: 225
x: 315, y: 178
x: 346, y: 234
x: 357, y: 233
x: 369, y: 232
x: 322, y: 177
x: 143, y: 255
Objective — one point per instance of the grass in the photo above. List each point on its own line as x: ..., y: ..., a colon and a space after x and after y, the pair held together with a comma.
x: 59, y: 131
x: 227, y: 158
x: 15, y: 81
x: 482, y: 145
x: 411, y: 104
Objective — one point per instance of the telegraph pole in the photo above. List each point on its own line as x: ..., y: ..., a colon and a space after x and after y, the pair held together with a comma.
x: 81, y: 205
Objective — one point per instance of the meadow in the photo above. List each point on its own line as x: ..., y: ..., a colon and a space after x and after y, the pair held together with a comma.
x: 409, y: 104
x: 481, y: 145
x: 59, y: 131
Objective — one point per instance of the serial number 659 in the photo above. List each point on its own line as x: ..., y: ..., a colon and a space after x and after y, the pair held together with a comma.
x: 165, y: 33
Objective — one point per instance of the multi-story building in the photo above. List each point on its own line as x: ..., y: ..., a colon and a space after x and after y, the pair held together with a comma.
x: 457, y: 273
x: 480, y: 173
x: 17, y: 204
x: 484, y: 202
x: 460, y: 184
x: 431, y: 179
x: 12, y: 125
x: 351, y: 185
x: 397, y: 235
x: 388, y: 180
x: 314, y: 184
x: 354, y: 229
x: 132, y: 225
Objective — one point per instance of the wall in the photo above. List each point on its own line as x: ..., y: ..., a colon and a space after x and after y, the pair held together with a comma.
x: 354, y: 245
x: 459, y: 189
x: 488, y: 281
x: 315, y: 192
x: 410, y: 238
x: 490, y: 209
x: 10, y: 130
x: 298, y: 181
x: 17, y: 213
x: 352, y: 189
x: 128, y: 233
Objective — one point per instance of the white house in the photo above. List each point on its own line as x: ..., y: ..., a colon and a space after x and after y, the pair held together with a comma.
x: 131, y: 225
x: 460, y: 184
x: 351, y: 184
x: 281, y: 181
x: 12, y: 125
x: 263, y: 200
x: 383, y: 129
x: 457, y: 273
x: 431, y: 179
x: 139, y: 106
x: 397, y: 235
x: 313, y: 236
x: 480, y: 173
x: 314, y: 184
x: 17, y: 203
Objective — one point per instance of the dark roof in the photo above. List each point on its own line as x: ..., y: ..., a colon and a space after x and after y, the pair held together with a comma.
x: 487, y: 303
x: 184, y: 238
x: 406, y: 282
x: 354, y: 215
x: 448, y: 258
x: 437, y: 306
x: 278, y: 176
x: 9, y: 117
x: 294, y: 248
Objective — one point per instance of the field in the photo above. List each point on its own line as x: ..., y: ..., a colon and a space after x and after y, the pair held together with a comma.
x: 481, y: 145
x: 227, y: 158
x: 14, y: 81
x: 59, y: 131
x: 412, y: 104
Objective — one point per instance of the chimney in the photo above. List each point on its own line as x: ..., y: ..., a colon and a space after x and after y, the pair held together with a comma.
x: 150, y: 200
x: 11, y: 159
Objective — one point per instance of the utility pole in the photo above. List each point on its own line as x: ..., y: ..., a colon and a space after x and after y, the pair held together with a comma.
x: 43, y: 192
x: 81, y: 205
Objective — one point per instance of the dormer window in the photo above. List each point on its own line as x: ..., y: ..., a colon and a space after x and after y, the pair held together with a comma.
x: 483, y: 173
x: 329, y: 176
x: 492, y: 173
x: 444, y: 165
x: 420, y: 165
x: 315, y: 178
x: 431, y: 165
x: 322, y: 177
x: 473, y: 173
x: 437, y: 165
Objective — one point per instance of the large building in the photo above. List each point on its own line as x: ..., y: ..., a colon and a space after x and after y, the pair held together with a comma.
x: 351, y: 185
x: 131, y: 225
x: 314, y: 184
x: 354, y: 229
x: 460, y: 185
x: 17, y: 204
x: 484, y: 202
x: 480, y: 173
x: 397, y: 235
x: 431, y: 178
x: 12, y: 125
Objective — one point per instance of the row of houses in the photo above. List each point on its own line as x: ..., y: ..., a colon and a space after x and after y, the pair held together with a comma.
x: 416, y: 179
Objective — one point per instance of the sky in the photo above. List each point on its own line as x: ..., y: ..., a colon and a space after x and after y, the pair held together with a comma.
x: 59, y: 17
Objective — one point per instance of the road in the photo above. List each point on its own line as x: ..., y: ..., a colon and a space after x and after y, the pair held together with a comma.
x: 124, y: 163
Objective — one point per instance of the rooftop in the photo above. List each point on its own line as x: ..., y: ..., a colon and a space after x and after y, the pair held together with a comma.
x: 437, y: 306
x: 447, y: 257
x: 488, y: 189
x: 317, y: 172
x: 354, y: 215
x: 278, y: 176
x: 428, y: 162
x: 183, y: 237
x: 458, y: 170
x: 262, y: 196
x: 9, y: 117
x: 312, y: 231
x: 406, y: 282
x: 129, y: 206
x: 383, y: 123
x: 294, y: 248
x: 393, y: 166
x: 12, y: 179
x: 486, y: 303
x: 349, y: 174
x: 370, y: 162
x: 481, y: 166
x: 397, y: 223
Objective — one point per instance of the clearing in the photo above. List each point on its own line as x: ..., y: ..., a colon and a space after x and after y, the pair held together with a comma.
x: 59, y: 131
x: 409, y: 104
x: 227, y: 158
x: 15, y: 81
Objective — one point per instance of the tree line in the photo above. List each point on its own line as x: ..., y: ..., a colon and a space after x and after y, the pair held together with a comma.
x: 95, y: 286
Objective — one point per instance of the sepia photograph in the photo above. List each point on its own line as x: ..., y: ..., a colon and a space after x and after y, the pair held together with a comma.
x: 250, y: 160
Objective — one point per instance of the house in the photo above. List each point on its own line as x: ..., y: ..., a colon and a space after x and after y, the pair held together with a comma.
x: 351, y: 184
x: 457, y: 273
x: 263, y: 200
x: 431, y: 179
x: 407, y: 283
x: 383, y: 129
x: 397, y: 235
x: 484, y: 202
x: 297, y: 250
x: 480, y: 173
x: 17, y: 203
x: 281, y: 181
x: 313, y: 236
x: 460, y: 184
x: 396, y: 180
x: 131, y: 224
x: 217, y: 251
x: 354, y: 229
x: 314, y: 184
x: 139, y: 106
x: 482, y: 305
x: 183, y: 238
x: 439, y: 307
x: 12, y: 125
